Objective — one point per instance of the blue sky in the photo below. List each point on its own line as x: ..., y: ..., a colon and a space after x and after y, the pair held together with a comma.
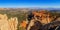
x: 29, y: 3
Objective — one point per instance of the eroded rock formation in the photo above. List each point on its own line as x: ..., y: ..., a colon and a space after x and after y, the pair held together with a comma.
x: 8, y: 24
x: 44, y: 17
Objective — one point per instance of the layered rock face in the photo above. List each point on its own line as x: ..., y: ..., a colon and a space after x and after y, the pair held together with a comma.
x: 8, y: 24
x: 42, y: 17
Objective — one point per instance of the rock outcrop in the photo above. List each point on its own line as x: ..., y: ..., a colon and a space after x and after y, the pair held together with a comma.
x: 43, y: 17
x: 8, y: 24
